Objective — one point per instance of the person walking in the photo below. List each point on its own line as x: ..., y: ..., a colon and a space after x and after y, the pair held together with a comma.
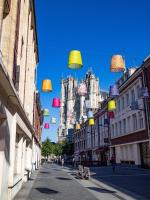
x: 62, y: 162
x: 113, y: 163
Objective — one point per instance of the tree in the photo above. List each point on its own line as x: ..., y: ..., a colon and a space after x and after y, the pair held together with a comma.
x: 68, y: 148
x: 58, y: 149
x: 47, y: 148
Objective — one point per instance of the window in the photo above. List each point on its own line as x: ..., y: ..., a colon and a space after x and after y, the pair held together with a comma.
x: 122, y: 103
x: 132, y: 96
x: 22, y: 44
x: 128, y: 124
x: 141, y: 122
x: 118, y: 105
x: 112, y: 130
x: 134, y: 122
x: 127, y: 99
x: 116, y: 129
x: 138, y: 91
x: 124, y: 126
x: 120, y: 128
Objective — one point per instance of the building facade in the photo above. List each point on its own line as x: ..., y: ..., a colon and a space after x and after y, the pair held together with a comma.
x: 73, y: 107
x: 18, y: 60
x: 38, y: 121
x: 129, y: 128
x: 126, y: 134
x: 90, y: 144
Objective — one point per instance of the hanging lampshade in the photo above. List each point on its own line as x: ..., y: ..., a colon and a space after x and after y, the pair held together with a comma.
x: 114, y: 91
x: 46, y: 112
x: 91, y: 122
x: 77, y: 126
x: 46, y: 126
x: 111, y: 105
x: 90, y: 114
x: 82, y: 89
x: 75, y: 59
x: 56, y: 102
x: 47, y: 85
x: 110, y: 114
x: 53, y: 120
x: 117, y: 64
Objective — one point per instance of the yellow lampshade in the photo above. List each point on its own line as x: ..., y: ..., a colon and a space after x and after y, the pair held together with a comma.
x: 91, y: 122
x: 75, y: 59
x: 117, y: 64
x: 111, y: 105
x: 47, y: 85
x: 77, y: 126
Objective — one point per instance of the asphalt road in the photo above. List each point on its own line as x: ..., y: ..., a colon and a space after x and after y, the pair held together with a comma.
x: 134, y: 180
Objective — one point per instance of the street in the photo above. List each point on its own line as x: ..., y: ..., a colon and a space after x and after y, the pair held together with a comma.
x: 53, y: 182
x: 126, y: 179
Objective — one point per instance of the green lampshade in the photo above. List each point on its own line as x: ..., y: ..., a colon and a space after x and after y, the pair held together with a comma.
x: 46, y: 112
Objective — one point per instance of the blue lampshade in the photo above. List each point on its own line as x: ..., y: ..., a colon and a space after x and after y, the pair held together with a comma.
x: 114, y: 91
x: 90, y: 114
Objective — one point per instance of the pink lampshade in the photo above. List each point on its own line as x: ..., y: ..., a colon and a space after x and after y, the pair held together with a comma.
x: 46, y: 126
x: 56, y: 102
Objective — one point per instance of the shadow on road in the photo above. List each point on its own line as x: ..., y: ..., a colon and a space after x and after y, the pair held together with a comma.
x: 44, y: 172
x: 62, y: 178
x: 100, y: 190
x: 47, y: 191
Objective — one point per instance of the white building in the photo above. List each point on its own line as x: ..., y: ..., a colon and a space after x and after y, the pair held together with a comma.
x: 18, y: 60
x: 128, y: 129
x: 73, y: 107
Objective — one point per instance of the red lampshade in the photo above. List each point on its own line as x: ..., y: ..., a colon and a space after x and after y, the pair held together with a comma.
x: 46, y: 126
x: 110, y: 114
x: 56, y: 102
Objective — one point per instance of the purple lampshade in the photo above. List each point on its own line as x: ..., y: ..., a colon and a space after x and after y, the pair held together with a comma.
x: 56, y: 102
x: 114, y: 91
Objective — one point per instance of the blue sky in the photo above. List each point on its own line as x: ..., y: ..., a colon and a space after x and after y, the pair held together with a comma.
x: 99, y: 29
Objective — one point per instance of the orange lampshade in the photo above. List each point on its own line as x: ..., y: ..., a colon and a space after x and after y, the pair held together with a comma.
x: 47, y: 85
x: 117, y: 64
x: 77, y: 126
